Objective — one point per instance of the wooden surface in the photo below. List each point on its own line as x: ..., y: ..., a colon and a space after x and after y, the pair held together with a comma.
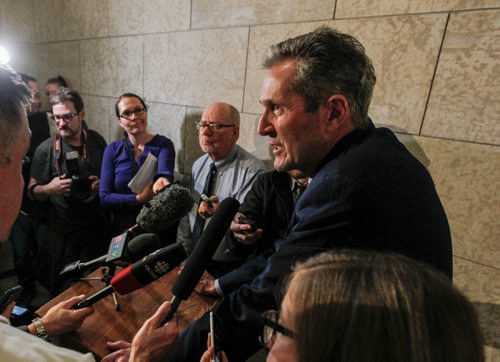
x: 107, y: 324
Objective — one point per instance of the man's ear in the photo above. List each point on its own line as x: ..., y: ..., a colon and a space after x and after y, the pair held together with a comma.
x: 338, y: 105
x: 81, y: 114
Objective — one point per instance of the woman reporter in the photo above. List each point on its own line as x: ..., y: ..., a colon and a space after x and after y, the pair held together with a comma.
x: 124, y: 157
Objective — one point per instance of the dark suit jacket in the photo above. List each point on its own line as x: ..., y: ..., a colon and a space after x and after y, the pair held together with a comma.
x: 269, y: 203
x: 369, y: 193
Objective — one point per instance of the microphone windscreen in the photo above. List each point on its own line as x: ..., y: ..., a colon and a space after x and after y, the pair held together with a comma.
x: 142, y: 245
x: 205, y: 248
x: 166, y: 208
x: 149, y: 269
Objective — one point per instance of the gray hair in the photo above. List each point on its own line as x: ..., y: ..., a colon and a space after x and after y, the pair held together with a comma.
x: 14, y: 98
x: 328, y: 62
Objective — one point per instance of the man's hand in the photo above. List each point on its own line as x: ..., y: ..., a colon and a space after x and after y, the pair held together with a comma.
x: 206, y: 285
x: 8, y: 310
x: 61, y: 318
x: 95, y: 182
x: 121, y: 352
x: 207, y: 211
x: 58, y: 186
x: 154, y: 339
x: 242, y: 230
x: 208, y: 356
x: 160, y: 184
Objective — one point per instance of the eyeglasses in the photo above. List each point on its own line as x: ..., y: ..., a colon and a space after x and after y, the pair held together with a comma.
x: 212, y: 126
x: 271, y: 326
x: 64, y: 117
x: 139, y: 111
x: 51, y: 93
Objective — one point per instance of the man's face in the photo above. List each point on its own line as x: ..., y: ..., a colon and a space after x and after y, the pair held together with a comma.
x: 68, y: 121
x: 295, y: 135
x: 11, y: 182
x: 217, y: 143
x: 35, y: 106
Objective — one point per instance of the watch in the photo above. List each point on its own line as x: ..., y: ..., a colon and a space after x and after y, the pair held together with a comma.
x: 40, y: 330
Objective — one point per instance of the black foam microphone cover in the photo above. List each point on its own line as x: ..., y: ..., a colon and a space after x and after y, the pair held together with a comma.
x: 205, y: 248
x: 166, y: 208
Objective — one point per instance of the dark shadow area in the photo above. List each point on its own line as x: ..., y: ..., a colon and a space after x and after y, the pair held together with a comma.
x: 489, y: 319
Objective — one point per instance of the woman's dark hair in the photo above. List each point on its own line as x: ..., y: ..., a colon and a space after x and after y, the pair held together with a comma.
x: 58, y: 80
x: 126, y: 95
x: 366, y: 306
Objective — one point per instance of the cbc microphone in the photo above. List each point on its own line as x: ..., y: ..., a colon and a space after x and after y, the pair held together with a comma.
x: 202, y: 253
x: 140, y: 274
x: 120, y: 249
x: 166, y: 208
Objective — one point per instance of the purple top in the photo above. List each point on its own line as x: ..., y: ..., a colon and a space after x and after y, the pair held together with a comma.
x: 117, y: 171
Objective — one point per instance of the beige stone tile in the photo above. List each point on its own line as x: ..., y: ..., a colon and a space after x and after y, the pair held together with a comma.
x: 491, y: 354
x: 168, y: 120
x: 77, y: 19
x: 190, y: 150
x: 467, y: 179
x: 97, y: 114
x: 112, y: 66
x: 58, y: 58
x: 353, y: 8
x: 196, y: 68
x: 223, y: 13
x: 147, y: 16
x: 464, y: 98
x: 251, y: 140
x: 45, y: 20
x: 403, y: 50
x: 482, y: 286
x: 16, y: 20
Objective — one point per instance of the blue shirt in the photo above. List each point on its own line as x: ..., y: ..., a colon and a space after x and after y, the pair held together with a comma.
x: 118, y: 169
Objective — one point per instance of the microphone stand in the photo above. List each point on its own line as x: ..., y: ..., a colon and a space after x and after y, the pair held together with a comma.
x: 108, y: 273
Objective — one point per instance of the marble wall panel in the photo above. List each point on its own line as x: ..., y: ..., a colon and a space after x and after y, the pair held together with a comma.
x: 354, y: 8
x: 97, y: 114
x: 58, y: 58
x: 112, y: 66
x: 77, y: 19
x: 168, y: 121
x: 467, y: 179
x: 147, y: 16
x: 46, y: 24
x: 223, y: 13
x: 251, y: 140
x: 190, y: 150
x: 16, y: 21
x: 403, y: 50
x: 482, y: 286
x: 464, y: 98
x: 196, y: 68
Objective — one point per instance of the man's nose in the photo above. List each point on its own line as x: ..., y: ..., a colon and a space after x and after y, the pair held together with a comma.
x: 265, y: 127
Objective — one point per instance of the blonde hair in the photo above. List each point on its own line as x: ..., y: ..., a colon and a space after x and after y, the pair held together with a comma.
x: 367, y: 306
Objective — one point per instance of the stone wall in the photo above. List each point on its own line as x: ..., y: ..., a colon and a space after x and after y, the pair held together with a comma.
x: 437, y: 64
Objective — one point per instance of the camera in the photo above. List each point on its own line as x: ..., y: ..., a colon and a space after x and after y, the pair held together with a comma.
x: 81, y: 187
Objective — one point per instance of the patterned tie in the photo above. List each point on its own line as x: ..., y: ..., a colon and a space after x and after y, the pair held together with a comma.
x: 199, y: 223
x: 298, y: 190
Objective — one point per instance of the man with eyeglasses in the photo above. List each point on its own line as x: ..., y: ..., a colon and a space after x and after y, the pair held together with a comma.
x: 28, y: 229
x: 228, y: 169
x: 65, y: 171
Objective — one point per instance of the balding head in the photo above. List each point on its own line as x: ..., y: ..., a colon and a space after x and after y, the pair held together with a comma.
x: 218, y: 143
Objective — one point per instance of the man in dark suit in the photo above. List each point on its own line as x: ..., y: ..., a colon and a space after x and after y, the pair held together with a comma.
x: 366, y: 190
x: 263, y: 218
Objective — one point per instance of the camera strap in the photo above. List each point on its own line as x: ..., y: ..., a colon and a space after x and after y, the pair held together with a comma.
x: 57, y: 151
x: 130, y: 153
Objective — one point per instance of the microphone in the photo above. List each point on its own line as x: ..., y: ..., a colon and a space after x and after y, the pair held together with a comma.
x: 165, y: 208
x: 202, y: 253
x: 140, y: 274
x: 120, y: 249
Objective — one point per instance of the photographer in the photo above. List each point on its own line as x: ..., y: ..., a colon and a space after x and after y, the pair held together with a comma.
x: 64, y: 170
